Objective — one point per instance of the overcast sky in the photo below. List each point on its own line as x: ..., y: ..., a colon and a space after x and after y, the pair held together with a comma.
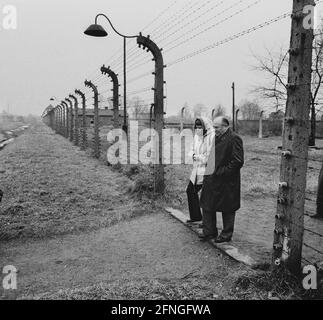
x: 48, y: 54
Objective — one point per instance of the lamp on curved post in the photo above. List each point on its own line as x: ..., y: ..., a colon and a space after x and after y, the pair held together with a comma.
x: 96, y: 30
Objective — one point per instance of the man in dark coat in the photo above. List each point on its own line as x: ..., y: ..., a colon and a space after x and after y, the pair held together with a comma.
x: 222, y: 184
x: 319, y: 199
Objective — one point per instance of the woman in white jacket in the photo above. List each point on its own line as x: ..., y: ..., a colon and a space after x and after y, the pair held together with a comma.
x: 201, y: 147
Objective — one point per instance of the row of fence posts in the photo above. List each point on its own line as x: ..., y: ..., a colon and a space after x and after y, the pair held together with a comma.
x: 235, y: 120
x: 64, y: 118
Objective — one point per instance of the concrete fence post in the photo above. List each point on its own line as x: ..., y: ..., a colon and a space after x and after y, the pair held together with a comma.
x: 96, y: 138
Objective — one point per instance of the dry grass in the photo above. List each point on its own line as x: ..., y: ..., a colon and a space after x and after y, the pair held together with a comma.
x: 276, y: 285
x: 51, y: 188
x: 157, y: 289
x: 217, y: 285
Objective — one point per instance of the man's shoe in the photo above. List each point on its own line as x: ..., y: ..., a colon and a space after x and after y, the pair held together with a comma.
x: 317, y: 216
x: 204, y: 238
x: 221, y: 239
x: 189, y: 221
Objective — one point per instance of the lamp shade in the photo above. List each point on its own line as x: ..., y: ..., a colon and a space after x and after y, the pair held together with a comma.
x: 95, y: 30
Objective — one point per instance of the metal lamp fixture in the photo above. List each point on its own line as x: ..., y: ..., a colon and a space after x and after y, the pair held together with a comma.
x: 96, y: 30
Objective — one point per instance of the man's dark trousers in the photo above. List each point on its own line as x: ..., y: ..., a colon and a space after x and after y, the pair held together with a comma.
x: 210, y: 224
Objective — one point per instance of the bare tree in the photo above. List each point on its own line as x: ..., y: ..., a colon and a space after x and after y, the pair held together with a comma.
x: 275, y: 66
x: 317, y: 75
x: 250, y: 110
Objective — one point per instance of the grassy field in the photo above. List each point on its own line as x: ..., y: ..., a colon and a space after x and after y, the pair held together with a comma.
x: 58, y: 190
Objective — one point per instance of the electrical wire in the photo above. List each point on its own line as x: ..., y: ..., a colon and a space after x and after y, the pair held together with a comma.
x: 228, y: 39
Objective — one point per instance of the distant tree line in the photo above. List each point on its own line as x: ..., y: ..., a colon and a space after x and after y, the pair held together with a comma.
x: 6, y: 117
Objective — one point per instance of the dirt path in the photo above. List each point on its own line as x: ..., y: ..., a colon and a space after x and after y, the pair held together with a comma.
x: 147, y: 248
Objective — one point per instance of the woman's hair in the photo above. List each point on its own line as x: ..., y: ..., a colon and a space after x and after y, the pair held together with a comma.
x: 199, y: 122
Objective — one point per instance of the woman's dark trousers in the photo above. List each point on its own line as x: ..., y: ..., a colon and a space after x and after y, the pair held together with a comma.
x: 194, y: 201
